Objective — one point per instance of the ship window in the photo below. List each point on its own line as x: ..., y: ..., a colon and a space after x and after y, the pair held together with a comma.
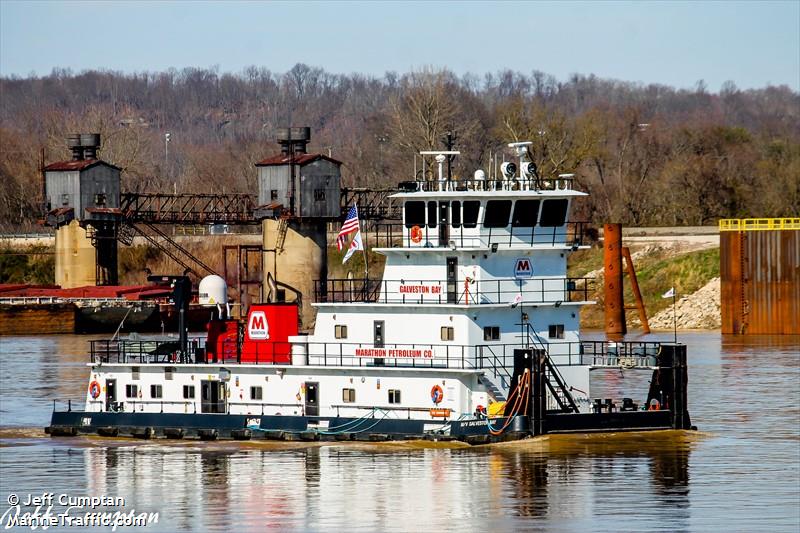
x: 341, y: 331
x: 415, y: 214
x: 168, y: 372
x: 555, y: 331
x: 491, y: 333
x: 256, y: 393
x: 394, y: 395
x: 455, y: 214
x: 156, y: 391
x: 471, y: 209
x: 525, y: 213
x: 554, y: 212
x: 348, y: 395
x: 188, y: 391
x: 432, y: 214
x: 131, y: 391
x: 134, y: 372
x: 497, y: 213
x: 448, y: 333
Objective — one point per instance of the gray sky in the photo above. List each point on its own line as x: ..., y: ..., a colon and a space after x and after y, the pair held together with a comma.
x: 674, y: 43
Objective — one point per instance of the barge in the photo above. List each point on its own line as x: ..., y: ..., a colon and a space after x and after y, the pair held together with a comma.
x: 472, y: 334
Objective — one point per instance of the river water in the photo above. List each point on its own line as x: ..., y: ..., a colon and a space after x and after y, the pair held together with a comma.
x: 739, y: 472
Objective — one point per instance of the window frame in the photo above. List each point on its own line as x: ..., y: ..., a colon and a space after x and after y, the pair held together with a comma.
x: 340, y: 331
x: 348, y: 395
x: 548, y: 202
x: 131, y: 387
x: 156, y: 391
x: 491, y: 333
x: 394, y: 396
x: 188, y: 392
x: 555, y: 331
x: 447, y: 333
x: 490, y: 210
x: 469, y: 204
x: 419, y: 223
x: 256, y: 389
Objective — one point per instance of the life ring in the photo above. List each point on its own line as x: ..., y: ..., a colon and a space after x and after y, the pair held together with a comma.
x: 437, y: 394
x: 655, y: 405
x: 416, y: 234
x: 94, y: 389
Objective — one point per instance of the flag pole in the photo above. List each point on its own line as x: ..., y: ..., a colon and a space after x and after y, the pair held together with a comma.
x: 364, y: 250
x: 674, y: 317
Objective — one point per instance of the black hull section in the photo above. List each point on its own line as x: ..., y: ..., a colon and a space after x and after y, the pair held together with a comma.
x: 307, y: 428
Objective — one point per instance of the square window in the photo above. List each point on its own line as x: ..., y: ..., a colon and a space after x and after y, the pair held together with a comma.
x: 319, y: 195
x: 491, y: 333
x: 156, y: 391
x: 555, y: 331
x: 168, y: 372
x: 131, y: 391
x: 348, y: 395
x: 188, y: 392
x: 340, y: 331
x: 65, y: 199
x: 448, y: 333
x: 394, y: 396
x: 256, y: 393
x: 273, y: 194
x: 134, y: 372
x: 100, y: 199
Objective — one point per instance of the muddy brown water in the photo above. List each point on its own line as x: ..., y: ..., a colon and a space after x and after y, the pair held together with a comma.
x: 739, y: 472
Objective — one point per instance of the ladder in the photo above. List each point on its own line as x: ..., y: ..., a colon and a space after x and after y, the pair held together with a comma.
x: 283, y: 228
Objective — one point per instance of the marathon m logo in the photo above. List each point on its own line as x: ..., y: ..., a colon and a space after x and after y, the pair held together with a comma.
x: 523, y: 268
x: 258, y: 328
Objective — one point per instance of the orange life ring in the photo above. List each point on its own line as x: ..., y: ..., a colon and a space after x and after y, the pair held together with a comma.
x: 437, y: 394
x: 94, y: 389
x: 416, y: 234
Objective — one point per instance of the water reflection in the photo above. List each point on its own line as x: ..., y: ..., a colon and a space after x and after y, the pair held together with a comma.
x: 741, y: 472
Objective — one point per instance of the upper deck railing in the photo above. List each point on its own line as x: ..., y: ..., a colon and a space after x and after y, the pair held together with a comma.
x: 494, y: 291
x: 515, y: 184
x: 397, y: 235
x: 418, y: 355
x: 759, y: 224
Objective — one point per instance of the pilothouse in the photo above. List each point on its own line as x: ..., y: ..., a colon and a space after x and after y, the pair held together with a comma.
x: 472, y: 333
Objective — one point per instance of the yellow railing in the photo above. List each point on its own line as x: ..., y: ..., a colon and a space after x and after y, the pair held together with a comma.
x: 758, y: 224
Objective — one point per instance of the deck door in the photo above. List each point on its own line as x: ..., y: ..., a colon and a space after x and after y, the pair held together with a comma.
x: 312, y: 398
x: 452, y: 280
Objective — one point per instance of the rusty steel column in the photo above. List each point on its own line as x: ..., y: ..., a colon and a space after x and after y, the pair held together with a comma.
x: 612, y: 267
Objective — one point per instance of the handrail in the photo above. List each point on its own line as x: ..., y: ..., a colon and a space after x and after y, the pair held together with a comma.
x: 518, y: 183
x: 390, y: 235
x: 435, y: 291
x: 759, y: 224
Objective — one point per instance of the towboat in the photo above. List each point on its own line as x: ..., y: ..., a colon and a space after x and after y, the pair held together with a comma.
x: 471, y: 334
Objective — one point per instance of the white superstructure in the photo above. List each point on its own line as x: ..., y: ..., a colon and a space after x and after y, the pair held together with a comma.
x: 476, y: 269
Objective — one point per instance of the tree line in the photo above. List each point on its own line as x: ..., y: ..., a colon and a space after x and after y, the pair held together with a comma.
x: 647, y: 154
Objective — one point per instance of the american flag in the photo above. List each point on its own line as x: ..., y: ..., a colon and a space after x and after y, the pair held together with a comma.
x: 350, y: 225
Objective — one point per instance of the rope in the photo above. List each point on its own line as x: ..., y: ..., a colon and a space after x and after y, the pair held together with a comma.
x: 522, y: 389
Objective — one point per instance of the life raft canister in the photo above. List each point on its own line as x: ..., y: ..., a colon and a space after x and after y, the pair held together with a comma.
x: 416, y: 234
x: 94, y: 389
x: 437, y: 394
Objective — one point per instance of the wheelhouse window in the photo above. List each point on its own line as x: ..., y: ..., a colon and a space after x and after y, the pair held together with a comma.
x: 394, y: 395
x: 448, y: 333
x: 455, y: 214
x: 497, y: 213
x: 156, y: 391
x: 131, y: 391
x: 415, y: 214
x: 256, y: 393
x: 188, y: 392
x: 525, y: 213
x: 432, y: 214
x: 340, y: 331
x: 491, y: 333
x: 555, y: 331
x: 348, y: 395
x: 471, y: 210
x: 554, y: 212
